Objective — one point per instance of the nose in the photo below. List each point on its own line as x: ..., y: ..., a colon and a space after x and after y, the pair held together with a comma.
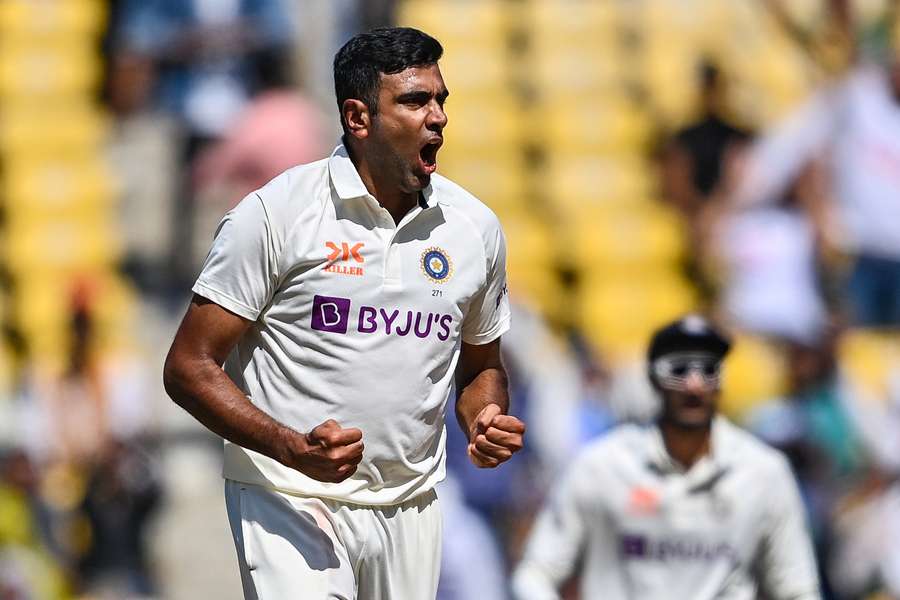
x: 695, y: 382
x: 437, y: 118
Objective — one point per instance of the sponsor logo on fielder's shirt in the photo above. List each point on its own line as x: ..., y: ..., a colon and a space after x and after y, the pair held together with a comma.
x: 344, y: 253
x: 643, y: 501
x: 330, y: 314
x: 335, y: 315
x: 642, y: 547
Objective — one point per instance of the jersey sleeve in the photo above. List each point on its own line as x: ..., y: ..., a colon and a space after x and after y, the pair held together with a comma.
x: 240, y: 273
x: 554, y: 546
x: 487, y: 317
x: 787, y: 565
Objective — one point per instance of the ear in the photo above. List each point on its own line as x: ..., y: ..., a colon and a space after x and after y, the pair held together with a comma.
x: 357, y: 117
x: 654, y: 382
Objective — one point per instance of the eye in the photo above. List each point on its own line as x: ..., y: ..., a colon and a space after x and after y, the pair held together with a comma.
x: 679, y: 370
x: 414, y: 99
x: 710, y: 370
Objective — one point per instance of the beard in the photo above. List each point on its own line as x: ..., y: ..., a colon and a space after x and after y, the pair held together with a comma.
x: 697, y: 418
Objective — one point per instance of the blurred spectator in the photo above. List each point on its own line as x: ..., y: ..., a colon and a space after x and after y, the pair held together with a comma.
x: 355, y: 16
x: 86, y: 490
x: 27, y: 566
x: 865, y: 556
x: 814, y: 427
x: 123, y: 493
x: 75, y: 403
x: 697, y: 165
x: 278, y: 129
x: 142, y: 151
x: 767, y: 259
x: 71, y: 414
x: 207, y: 55
x: 856, y: 126
x: 693, y: 161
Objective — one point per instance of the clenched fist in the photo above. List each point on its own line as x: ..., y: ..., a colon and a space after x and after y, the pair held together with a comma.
x: 327, y: 453
x: 494, y: 437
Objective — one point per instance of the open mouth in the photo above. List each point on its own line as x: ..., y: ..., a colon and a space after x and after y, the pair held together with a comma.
x: 693, y: 402
x: 428, y: 155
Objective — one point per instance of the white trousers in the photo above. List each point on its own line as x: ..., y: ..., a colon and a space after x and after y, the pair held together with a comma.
x: 305, y: 548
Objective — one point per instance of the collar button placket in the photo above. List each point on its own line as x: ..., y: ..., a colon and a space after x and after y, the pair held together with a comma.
x: 391, y: 259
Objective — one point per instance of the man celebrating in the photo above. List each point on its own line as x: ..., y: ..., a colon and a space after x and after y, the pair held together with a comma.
x: 691, y: 507
x: 346, y: 295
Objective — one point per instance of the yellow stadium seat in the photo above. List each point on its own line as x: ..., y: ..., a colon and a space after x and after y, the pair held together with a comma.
x: 567, y: 71
x: 572, y: 22
x: 619, y: 315
x: 871, y: 360
x: 48, y: 69
x: 769, y: 72
x: 531, y: 262
x: 454, y: 22
x: 754, y: 372
x: 479, y: 69
x: 43, y: 310
x: 49, y: 17
x: 530, y: 243
x: 37, y: 189
x: 573, y: 181
x: 62, y: 245
x: 670, y: 73
x: 496, y: 179
x: 117, y: 315
x: 622, y: 237
x: 35, y: 130
x: 480, y: 122
x: 590, y: 125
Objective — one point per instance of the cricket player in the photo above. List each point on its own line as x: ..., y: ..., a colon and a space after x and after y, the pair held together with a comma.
x: 689, y: 508
x: 344, y: 297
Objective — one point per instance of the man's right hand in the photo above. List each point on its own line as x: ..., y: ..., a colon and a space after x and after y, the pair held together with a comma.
x: 327, y: 453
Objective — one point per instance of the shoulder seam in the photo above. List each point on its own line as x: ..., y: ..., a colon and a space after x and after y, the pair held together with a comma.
x: 474, y: 226
x: 278, y: 252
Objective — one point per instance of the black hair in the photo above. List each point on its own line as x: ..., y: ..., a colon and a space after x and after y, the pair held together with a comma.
x: 359, y: 63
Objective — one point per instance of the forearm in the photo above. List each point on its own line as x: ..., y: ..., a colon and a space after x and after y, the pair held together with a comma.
x: 203, y: 389
x: 490, y: 386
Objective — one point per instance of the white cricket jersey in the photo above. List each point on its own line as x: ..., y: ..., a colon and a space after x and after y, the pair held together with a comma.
x: 642, y: 527
x: 356, y: 319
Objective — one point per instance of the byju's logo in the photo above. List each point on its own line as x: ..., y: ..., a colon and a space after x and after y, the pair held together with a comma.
x: 330, y: 314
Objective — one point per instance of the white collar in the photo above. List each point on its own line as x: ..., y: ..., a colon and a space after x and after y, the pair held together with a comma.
x: 349, y: 185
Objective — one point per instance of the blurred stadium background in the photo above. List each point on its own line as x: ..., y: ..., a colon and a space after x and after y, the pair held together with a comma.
x: 646, y: 158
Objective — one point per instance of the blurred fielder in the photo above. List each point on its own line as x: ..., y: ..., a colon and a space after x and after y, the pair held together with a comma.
x: 344, y: 297
x: 691, y: 507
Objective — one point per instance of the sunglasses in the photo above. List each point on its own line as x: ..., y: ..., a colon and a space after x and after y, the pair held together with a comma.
x: 673, y: 371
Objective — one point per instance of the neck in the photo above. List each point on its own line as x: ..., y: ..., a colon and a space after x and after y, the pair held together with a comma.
x: 685, y: 445
x: 386, y: 191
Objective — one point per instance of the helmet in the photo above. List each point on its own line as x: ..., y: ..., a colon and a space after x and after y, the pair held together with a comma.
x: 690, y: 333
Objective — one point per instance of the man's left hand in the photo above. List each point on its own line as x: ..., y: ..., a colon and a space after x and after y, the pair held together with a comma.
x: 494, y: 437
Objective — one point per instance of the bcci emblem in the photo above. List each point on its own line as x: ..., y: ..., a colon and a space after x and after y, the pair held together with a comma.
x: 436, y: 265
